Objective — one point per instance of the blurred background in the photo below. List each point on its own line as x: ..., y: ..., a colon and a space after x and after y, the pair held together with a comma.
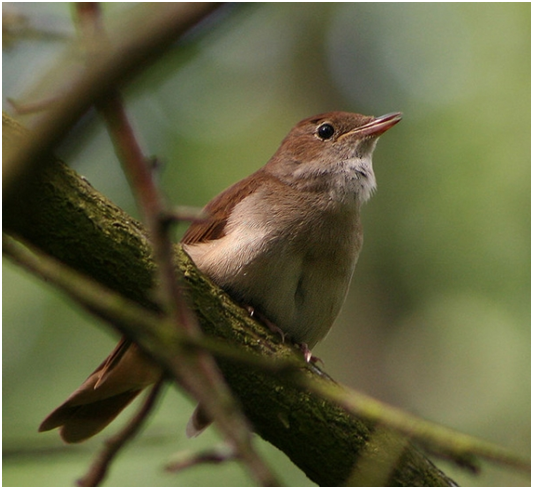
x: 438, y: 317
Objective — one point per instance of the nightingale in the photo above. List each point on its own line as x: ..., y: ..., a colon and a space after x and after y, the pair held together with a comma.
x: 284, y: 241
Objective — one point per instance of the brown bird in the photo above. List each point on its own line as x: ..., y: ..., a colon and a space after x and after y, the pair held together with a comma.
x: 284, y: 240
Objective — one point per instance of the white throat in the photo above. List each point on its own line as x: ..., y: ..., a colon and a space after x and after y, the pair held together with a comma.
x: 348, y: 180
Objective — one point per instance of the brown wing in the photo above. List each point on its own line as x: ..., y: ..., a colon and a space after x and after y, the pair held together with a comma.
x: 220, y: 208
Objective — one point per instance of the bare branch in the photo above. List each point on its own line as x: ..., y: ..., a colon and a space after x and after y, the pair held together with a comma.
x: 185, y: 460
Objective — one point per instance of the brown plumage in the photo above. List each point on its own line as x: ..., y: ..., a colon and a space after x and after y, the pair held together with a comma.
x: 105, y: 393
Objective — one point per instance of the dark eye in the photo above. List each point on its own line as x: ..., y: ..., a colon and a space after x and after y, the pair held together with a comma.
x: 325, y: 131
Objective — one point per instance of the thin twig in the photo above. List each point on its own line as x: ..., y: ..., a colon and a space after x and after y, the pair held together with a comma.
x: 17, y: 26
x: 23, y: 108
x: 183, y: 213
x: 186, y: 460
x: 98, y: 469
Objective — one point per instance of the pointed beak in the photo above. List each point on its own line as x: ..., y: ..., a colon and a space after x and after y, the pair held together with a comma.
x: 377, y: 126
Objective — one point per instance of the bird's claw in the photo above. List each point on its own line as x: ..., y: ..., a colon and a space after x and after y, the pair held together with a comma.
x: 308, y: 356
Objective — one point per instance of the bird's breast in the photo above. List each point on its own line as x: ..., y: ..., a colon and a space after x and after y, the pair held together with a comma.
x: 291, y: 260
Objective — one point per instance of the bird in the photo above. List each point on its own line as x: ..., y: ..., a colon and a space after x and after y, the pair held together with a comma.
x: 284, y: 241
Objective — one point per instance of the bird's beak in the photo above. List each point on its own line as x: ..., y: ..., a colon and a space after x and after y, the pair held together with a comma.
x: 377, y: 126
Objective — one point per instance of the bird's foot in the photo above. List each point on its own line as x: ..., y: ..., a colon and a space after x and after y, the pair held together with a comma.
x: 308, y: 356
x: 269, y: 324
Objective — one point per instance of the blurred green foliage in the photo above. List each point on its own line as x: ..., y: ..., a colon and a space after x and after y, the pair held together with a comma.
x: 438, y: 317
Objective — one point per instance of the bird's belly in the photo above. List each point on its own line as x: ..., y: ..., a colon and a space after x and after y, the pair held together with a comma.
x: 303, y: 297
x: 301, y: 294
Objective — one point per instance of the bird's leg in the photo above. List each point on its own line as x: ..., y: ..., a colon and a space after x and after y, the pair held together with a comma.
x: 308, y: 356
x: 267, y: 322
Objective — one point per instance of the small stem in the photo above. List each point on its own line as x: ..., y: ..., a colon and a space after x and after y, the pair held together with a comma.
x: 211, y: 456
x: 112, y: 446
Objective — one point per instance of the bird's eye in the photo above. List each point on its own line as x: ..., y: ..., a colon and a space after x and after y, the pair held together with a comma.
x: 325, y: 131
